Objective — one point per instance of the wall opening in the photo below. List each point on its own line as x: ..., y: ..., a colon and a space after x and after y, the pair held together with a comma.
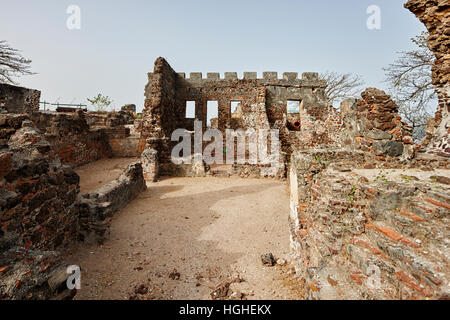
x: 293, y: 106
x: 293, y: 115
x: 234, y: 106
x: 212, y: 114
x: 190, y: 109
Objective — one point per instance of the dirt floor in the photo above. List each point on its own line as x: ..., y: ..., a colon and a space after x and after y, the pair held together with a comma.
x: 101, y: 172
x: 185, y: 237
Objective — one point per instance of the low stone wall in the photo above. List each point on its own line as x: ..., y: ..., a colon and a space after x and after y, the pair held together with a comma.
x: 71, y: 137
x: 33, y: 275
x: 98, y: 206
x: 368, y: 233
x: 38, y: 213
x: 42, y: 211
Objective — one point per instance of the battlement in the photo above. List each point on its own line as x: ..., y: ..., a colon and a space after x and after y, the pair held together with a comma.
x: 309, y: 79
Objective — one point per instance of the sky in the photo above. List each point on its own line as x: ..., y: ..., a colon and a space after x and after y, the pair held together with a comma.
x: 118, y: 41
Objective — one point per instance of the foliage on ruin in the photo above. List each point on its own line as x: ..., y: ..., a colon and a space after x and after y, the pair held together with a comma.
x: 101, y: 103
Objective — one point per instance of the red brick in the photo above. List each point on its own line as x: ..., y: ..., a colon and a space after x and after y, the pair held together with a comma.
x: 438, y: 204
x: 5, y: 164
x: 412, y: 216
x: 366, y: 245
x: 423, y: 208
x: 411, y: 283
x: 357, y: 278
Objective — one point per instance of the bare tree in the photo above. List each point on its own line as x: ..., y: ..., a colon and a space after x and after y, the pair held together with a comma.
x: 12, y: 64
x: 410, y: 84
x: 341, y: 86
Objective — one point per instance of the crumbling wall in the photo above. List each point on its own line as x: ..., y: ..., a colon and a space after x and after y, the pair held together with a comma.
x: 41, y: 209
x: 33, y: 275
x: 15, y: 99
x: 125, y: 116
x: 124, y: 141
x: 71, y: 138
x: 368, y: 234
x: 37, y: 192
x: 263, y: 106
x: 435, y: 15
x: 76, y: 142
x: 38, y: 213
x: 118, y: 129
x: 372, y: 124
x: 368, y: 218
x: 161, y: 112
x: 97, y: 207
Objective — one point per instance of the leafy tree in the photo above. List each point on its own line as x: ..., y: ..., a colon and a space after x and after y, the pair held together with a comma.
x: 12, y: 64
x: 410, y: 83
x: 341, y: 86
x: 100, y: 103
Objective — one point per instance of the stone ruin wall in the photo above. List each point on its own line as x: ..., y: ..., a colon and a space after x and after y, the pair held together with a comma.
x: 369, y: 211
x: 15, y: 99
x: 263, y: 104
x: 365, y: 200
x: 368, y: 233
x: 42, y: 211
x: 435, y: 15
x: 41, y: 208
x: 369, y: 218
x: 71, y: 138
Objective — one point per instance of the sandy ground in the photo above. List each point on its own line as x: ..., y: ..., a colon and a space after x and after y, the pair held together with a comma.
x: 96, y: 174
x: 185, y: 236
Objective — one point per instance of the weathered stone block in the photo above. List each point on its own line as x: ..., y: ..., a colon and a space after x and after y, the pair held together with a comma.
x: 231, y: 75
x: 150, y: 164
x: 391, y: 148
x: 250, y: 75
x: 270, y: 75
x: 379, y: 135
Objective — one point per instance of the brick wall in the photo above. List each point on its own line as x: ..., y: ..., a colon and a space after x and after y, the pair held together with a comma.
x: 71, y: 137
x: 38, y: 193
x: 368, y: 233
x: 41, y: 209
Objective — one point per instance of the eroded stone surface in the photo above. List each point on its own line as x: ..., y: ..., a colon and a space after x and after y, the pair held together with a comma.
x: 368, y: 233
x: 42, y: 211
x: 435, y: 15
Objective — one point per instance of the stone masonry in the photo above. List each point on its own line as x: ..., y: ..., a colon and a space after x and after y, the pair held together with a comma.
x: 15, y: 99
x: 263, y: 102
x: 368, y: 234
x: 369, y: 208
x: 41, y: 209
